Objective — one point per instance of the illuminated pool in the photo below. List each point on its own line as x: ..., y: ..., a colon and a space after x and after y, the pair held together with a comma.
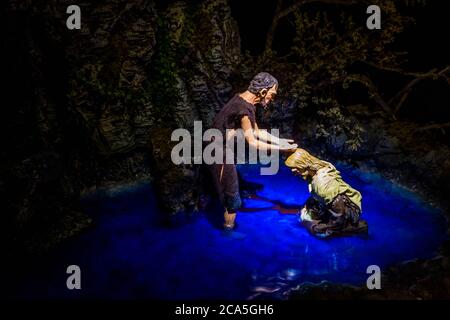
x: 130, y: 255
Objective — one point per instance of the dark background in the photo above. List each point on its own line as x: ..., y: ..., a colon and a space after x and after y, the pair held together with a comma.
x: 94, y: 108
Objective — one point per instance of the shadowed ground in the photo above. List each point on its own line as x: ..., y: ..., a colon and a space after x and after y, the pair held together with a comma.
x: 129, y: 254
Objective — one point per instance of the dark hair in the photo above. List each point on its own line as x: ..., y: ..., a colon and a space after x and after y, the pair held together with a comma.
x: 262, y: 80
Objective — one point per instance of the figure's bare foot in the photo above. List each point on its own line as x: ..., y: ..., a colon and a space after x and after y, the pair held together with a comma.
x: 231, y: 233
x: 228, y: 227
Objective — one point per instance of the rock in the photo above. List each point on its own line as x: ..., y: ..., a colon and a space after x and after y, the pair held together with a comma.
x: 323, y: 291
x: 112, y: 63
x: 176, y: 184
x: 212, y: 53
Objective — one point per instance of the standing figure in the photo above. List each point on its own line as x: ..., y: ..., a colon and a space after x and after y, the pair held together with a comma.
x: 239, y: 113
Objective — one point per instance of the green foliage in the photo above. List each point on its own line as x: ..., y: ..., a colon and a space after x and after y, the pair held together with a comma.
x: 164, y: 75
x: 100, y: 77
x: 335, y: 124
x: 107, y: 91
x: 172, y: 48
x: 325, y: 50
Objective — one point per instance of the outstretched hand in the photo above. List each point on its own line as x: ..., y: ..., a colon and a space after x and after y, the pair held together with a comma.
x: 288, y: 147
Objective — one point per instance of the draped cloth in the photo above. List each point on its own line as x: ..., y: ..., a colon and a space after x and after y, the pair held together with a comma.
x: 328, y: 183
x: 334, y: 207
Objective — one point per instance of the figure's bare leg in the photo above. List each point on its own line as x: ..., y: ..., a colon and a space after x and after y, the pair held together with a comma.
x: 229, y: 218
x: 229, y: 226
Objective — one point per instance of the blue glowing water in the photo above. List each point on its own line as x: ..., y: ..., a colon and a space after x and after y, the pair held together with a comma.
x: 128, y: 254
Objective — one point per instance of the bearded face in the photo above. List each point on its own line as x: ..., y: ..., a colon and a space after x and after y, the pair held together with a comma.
x: 267, y: 96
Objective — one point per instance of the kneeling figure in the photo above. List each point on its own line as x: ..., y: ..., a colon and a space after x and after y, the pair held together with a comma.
x: 334, y: 207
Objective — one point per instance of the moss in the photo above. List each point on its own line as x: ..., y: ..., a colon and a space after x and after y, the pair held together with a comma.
x: 164, y: 74
x: 93, y: 79
x: 43, y: 239
x: 172, y: 48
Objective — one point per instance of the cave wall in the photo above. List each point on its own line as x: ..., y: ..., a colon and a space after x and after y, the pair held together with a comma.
x: 93, y: 107
x: 96, y: 107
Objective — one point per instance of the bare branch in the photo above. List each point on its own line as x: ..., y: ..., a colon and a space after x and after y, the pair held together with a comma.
x: 273, y: 26
x: 298, y: 4
x: 281, y: 13
x: 434, y: 126
x: 402, y: 100
x: 402, y: 72
x: 406, y: 90
x: 373, y: 91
